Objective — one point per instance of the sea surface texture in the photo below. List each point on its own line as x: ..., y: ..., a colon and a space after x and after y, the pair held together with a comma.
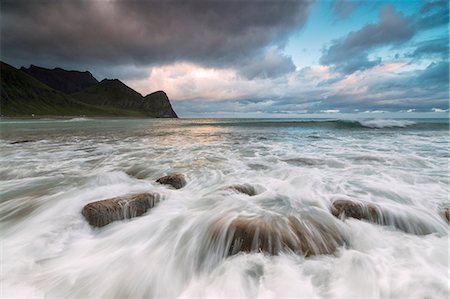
x: 298, y: 168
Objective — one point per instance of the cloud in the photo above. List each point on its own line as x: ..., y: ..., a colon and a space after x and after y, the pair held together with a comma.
x: 350, y: 54
x: 435, y: 74
x: 132, y: 32
x: 344, y: 8
x: 272, y: 63
x: 432, y: 4
x: 330, y: 111
x: 392, y: 87
x: 430, y: 48
x: 432, y: 14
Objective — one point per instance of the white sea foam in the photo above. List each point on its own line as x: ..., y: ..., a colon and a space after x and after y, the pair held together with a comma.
x: 386, y: 123
x: 75, y: 119
x: 49, y: 250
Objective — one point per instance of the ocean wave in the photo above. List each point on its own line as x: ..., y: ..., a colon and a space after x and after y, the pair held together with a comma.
x: 386, y: 123
x: 76, y: 119
x: 332, y: 124
x: 180, y: 247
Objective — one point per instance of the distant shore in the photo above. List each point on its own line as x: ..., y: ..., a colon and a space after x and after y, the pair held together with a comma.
x: 80, y: 116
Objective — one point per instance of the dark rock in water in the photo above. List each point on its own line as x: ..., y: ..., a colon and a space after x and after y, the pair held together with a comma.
x: 408, y: 221
x: 103, y: 212
x: 176, y: 180
x: 21, y: 141
x: 245, y: 188
x: 446, y: 214
x: 275, y: 234
x: 358, y: 210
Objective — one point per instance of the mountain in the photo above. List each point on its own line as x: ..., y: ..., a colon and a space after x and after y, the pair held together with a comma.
x: 110, y: 93
x: 114, y: 93
x: 159, y: 103
x: 65, y: 81
x: 24, y: 95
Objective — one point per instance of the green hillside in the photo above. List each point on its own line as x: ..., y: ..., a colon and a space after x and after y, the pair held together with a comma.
x: 21, y: 95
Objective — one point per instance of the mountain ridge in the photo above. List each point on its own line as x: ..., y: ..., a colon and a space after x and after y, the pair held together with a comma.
x: 22, y: 94
x: 60, y: 79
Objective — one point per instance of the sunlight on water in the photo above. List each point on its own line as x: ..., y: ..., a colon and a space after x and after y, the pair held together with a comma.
x: 298, y: 169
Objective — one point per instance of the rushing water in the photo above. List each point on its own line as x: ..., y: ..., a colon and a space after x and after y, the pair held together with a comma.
x: 298, y: 167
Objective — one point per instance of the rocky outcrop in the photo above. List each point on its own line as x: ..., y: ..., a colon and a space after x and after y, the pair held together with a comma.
x: 413, y: 222
x: 103, y: 212
x: 176, y: 180
x: 244, y: 188
x: 274, y: 234
x: 114, y: 93
x: 158, y: 105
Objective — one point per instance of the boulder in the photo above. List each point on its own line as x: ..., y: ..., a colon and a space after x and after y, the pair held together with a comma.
x: 347, y: 208
x: 274, y: 234
x: 176, y: 180
x: 103, y: 212
x: 410, y: 221
x: 245, y: 189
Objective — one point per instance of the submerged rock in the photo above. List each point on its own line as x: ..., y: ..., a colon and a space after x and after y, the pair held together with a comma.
x: 103, y: 212
x: 446, y: 214
x: 176, y: 180
x: 413, y: 222
x: 244, y: 188
x: 358, y: 210
x: 275, y: 234
x: 21, y: 141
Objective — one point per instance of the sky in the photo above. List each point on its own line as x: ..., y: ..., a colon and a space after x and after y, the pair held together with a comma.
x: 246, y: 58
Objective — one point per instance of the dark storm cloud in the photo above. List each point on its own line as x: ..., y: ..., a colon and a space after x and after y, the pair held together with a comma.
x: 213, y: 33
x: 350, y: 53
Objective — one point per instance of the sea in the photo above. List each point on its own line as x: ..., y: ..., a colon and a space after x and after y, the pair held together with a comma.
x: 298, y: 167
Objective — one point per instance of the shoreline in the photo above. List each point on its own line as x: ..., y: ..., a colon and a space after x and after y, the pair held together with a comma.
x: 80, y: 116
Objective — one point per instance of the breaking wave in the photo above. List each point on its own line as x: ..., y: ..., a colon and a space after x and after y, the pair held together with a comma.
x: 336, y: 124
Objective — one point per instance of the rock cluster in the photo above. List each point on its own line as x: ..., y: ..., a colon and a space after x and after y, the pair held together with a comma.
x: 270, y: 233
